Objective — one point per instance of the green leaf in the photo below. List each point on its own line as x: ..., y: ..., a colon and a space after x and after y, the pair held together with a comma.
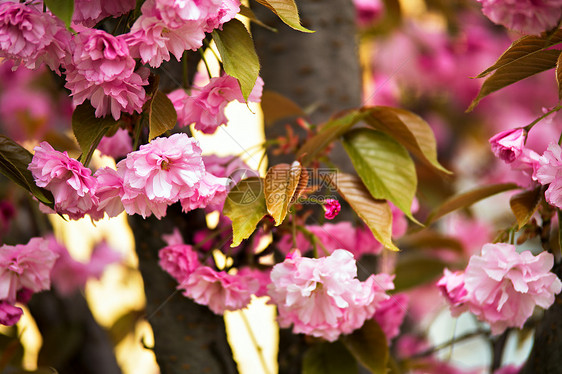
x: 287, y: 11
x: 525, y: 57
x: 238, y: 54
x: 375, y: 213
x: 64, y: 9
x: 161, y: 115
x: 89, y: 130
x: 276, y: 107
x: 368, y: 345
x: 468, y: 198
x: 408, y: 129
x: 245, y: 206
x: 14, y: 160
x: 384, y: 166
x: 281, y: 184
x: 413, y: 271
x: 525, y: 204
x: 330, y: 131
x: 329, y: 358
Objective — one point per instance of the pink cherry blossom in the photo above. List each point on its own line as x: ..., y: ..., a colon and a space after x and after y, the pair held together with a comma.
x: 504, y: 286
x: 102, y: 70
x: 108, y: 192
x: 390, y: 315
x: 211, y: 192
x: 368, y: 10
x: 117, y: 145
x: 205, y: 107
x: 9, y: 314
x: 452, y: 288
x: 71, y: 183
x: 25, y: 266
x: 90, y: 12
x: 508, y: 145
x: 151, y: 40
x: 332, y: 208
x: 166, y: 168
x: 32, y: 37
x: 526, y: 16
x: 179, y: 260
x: 323, y: 297
x: 550, y: 172
x: 69, y: 275
x: 218, y: 290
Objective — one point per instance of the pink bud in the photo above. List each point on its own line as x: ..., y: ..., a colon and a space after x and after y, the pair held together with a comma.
x: 331, y: 207
x: 508, y: 145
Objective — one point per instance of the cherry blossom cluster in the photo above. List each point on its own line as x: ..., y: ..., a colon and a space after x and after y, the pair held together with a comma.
x: 501, y: 286
x: 322, y: 297
x: 101, y: 67
x: 147, y: 181
x: 29, y: 268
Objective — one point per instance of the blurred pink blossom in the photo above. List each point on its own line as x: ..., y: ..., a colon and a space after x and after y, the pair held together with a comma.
x: 218, y: 290
x: 71, y: 183
x: 117, y: 145
x: 526, y: 16
x: 9, y: 314
x: 25, y: 266
x: 368, y: 11
x: 90, y: 12
x: 390, y: 314
x: 32, y: 37
x: 322, y: 297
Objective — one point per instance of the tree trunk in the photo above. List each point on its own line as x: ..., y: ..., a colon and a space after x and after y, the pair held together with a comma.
x: 189, y: 338
x: 317, y: 71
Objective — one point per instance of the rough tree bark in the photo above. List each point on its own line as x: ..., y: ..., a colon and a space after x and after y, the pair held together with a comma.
x: 189, y: 338
x: 319, y: 71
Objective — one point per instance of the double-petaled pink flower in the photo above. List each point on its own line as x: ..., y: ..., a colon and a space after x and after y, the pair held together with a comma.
x: 102, y: 70
x: 31, y: 37
x: 25, y: 266
x: 205, y: 107
x: 71, y: 183
x: 323, y: 297
x: 502, y: 287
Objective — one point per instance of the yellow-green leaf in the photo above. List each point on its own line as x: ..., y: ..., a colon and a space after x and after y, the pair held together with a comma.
x: 468, y: 198
x: 368, y: 345
x: 330, y: 131
x: 281, y: 183
x: 385, y: 167
x: 375, y: 213
x: 161, y: 115
x: 89, y: 130
x: 525, y: 204
x: 287, y: 11
x: 329, y: 358
x: 64, y: 9
x: 409, y: 129
x: 238, y: 54
x: 14, y: 160
x: 245, y: 206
